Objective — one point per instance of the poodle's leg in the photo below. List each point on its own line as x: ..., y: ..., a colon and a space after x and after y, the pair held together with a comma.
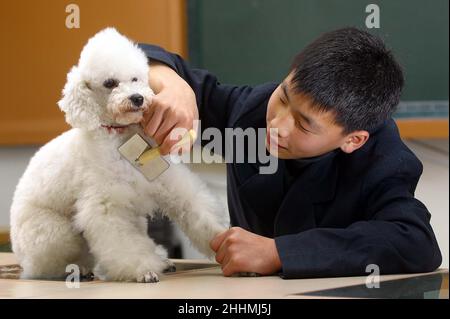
x: 45, y: 243
x: 122, y: 251
x: 159, y: 250
x: 162, y: 253
x: 86, y: 262
x: 193, y: 207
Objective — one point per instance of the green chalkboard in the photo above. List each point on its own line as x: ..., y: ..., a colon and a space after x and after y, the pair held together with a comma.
x: 254, y: 41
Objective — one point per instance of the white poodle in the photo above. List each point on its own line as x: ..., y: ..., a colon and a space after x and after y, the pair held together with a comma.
x: 79, y: 202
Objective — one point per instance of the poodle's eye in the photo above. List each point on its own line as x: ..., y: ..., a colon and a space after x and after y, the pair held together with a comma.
x: 134, y: 80
x: 110, y: 83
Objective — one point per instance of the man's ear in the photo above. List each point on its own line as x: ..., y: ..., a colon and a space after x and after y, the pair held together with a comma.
x: 354, y: 140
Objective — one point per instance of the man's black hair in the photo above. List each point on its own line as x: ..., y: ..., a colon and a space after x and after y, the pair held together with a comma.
x: 349, y: 72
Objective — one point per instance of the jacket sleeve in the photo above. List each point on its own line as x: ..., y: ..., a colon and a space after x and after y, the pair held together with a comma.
x: 218, y: 104
x: 395, y: 234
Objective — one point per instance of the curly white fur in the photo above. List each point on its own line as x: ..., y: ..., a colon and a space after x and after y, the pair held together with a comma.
x: 79, y: 202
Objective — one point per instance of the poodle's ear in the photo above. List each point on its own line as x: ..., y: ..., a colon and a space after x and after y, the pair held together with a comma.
x: 81, y: 110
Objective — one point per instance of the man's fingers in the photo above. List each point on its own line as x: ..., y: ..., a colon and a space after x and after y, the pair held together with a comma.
x: 148, y: 112
x: 228, y: 268
x: 167, y: 144
x: 216, y: 242
x: 166, y: 126
x: 179, y: 134
x: 156, y: 117
x: 221, y: 254
x: 164, y: 131
x: 154, y: 122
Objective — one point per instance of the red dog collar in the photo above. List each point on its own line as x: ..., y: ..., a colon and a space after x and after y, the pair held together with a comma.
x: 115, y: 128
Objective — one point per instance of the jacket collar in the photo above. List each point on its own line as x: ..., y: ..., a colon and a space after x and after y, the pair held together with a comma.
x: 380, y: 126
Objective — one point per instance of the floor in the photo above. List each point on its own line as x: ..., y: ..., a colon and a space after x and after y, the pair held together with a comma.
x: 433, y: 188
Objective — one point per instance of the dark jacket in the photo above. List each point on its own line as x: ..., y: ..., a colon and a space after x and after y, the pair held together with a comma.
x: 341, y: 212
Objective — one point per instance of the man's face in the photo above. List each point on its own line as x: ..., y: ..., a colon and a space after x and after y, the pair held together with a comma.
x: 302, y: 131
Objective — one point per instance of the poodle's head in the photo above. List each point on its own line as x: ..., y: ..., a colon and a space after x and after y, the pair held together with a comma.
x: 109, y: 86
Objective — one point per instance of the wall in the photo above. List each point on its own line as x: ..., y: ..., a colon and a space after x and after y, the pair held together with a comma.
x: 251, y: 42
x: 38, y: 50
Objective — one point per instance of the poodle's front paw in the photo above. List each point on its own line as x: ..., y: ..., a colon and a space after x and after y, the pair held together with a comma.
x: 88, y: 276
x: 170, y: 267
x: 148, y: 277
x: 86, y: 272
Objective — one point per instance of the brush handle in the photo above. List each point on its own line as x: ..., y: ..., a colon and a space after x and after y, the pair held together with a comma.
x: 155, y: 152
x: 187, y: 138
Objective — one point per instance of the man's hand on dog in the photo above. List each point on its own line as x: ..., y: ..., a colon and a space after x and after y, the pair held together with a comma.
x: 173, y: 106
x: 240, y: 251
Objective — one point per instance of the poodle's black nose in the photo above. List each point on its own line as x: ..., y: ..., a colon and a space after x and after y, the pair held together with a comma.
x: 137, y: 100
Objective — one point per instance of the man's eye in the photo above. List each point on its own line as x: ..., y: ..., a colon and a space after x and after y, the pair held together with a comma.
x: 110, y: 83
x: 282, y: 101
x: 301, y: 127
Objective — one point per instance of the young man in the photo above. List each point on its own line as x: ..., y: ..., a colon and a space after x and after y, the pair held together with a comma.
x: 342, y: 197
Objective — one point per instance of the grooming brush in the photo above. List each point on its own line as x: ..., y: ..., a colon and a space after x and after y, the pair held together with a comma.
x: 143, y: 153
